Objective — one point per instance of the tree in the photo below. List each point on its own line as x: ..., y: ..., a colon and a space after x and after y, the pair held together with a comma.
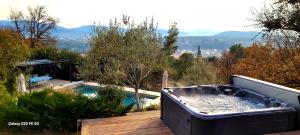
x: 212, y: 59
x: 35, y: 27
x: 227, y: 61
x: 12, y: 50
x: 225, y: 65
x: 125, y: 54
x: 170, y: 46
x: 263, y: 62
x: 182, y: 64
x: 56, y: 54
x: 238, y: 52
x: 200, y: 72
x: 281, y: 15
x: 258, y: 63
x: 199, y: 55
x: 280, y: 23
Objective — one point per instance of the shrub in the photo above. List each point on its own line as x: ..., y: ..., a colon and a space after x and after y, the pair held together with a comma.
x: 58, y: 111
x: 113, y: 96
x: 152, y: 107
x: 12, y: 113
x: 9, y: 112
x: 66, y: 91
x: 12, y: 51
x: 200, y: 72
x: 5, y: 97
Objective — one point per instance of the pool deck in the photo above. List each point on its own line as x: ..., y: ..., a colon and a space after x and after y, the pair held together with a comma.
x: 54, y: 83
x: 137, y: 123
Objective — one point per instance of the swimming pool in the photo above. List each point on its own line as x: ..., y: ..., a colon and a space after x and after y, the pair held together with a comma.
x: 90, y: 91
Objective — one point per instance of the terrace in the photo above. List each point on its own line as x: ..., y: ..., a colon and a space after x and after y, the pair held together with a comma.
x: 146, y: 123
x: 177, y: 121
x: 137, y: 123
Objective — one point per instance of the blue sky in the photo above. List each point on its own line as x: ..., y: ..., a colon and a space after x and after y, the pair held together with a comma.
x: 191, y: 15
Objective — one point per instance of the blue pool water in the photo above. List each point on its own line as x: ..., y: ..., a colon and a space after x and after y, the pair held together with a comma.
x: 90, y: 91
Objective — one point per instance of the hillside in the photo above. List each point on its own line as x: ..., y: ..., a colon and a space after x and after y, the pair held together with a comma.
x: 219, y: 41
x: 77, y: 38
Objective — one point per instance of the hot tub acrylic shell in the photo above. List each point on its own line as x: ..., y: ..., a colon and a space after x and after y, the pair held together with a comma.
x: 183, y: 120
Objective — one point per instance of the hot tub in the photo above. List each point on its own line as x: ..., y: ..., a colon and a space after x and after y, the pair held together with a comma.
x: 223, y: 110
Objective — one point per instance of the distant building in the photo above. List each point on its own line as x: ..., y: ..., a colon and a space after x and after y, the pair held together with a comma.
x: 177, y: 54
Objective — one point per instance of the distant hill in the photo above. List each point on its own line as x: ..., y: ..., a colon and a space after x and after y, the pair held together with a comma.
x: 219, y: 41
x: 5, y: 23
x: 78, y: 33
x: 237, y: 34
x: 76, y: 38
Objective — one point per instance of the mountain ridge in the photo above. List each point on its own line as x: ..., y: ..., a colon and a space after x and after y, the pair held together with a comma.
x: 76, y: 38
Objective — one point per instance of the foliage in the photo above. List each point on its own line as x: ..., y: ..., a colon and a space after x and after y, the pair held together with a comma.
x: 237, y: 51
x: 201, y: 72
x: 66, y: 90
x: 56, y: 54
x: 154, y: 80
x: 12, y: 113
x: 170, y: 46
x: 258, y: 62
x: 280, y: 24
x: 12, y: 51
x: 44, y: 53
x: 227, y: 61
x: 9, y: 112
x: 89, y: 69
x: 152, y: 107
x: 72, y: 56
x: 5, y: 97
x: 199, y: 55
x: 35, y: 27
x: 182, y: 64
x: 281, y: 15
x: 263, y: 62
x: 123, y: 54
x: 212, y: 59
x: 58, y: 111
x: 113, y: 97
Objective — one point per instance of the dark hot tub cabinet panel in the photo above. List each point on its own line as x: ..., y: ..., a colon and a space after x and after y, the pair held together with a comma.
x: 278, y: 116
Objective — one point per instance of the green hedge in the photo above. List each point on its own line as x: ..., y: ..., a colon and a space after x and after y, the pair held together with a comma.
x: 58, y: 111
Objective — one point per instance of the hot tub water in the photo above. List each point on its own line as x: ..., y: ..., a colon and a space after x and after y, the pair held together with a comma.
x: 210, y: 103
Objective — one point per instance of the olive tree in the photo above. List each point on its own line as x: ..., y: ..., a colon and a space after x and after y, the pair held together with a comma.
x: 124, y: 53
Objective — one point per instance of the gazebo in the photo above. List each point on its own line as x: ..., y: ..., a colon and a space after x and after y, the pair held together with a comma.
x: 43, y: 70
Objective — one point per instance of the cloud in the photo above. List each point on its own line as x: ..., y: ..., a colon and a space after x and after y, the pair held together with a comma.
x: 190, y: 14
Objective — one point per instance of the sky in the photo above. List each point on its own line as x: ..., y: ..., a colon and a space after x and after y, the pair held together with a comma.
x: 191, y: 15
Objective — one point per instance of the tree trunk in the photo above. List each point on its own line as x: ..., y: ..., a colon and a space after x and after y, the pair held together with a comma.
x: 137, y: 98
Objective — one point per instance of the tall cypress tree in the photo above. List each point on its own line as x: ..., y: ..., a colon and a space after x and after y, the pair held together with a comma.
x: 170, y: 46
x: 199, y: 55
